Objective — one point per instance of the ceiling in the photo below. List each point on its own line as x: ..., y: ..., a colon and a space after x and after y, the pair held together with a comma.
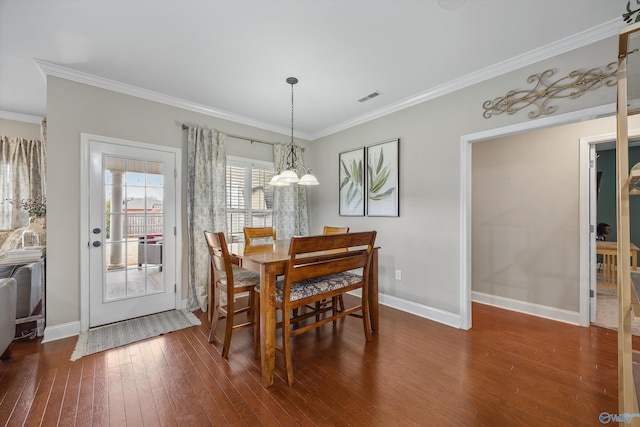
x: 230, y: 58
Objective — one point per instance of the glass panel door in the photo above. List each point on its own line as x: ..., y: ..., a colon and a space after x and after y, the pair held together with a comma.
x: 133, y: 216
x: 132, y: 220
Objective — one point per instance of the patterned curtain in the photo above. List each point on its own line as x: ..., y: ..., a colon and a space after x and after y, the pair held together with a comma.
x: 206, y: 205
x: 290, y: 216
x: 22, y: 176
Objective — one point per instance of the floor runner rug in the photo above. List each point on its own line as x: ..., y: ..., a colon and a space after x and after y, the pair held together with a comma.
x: 118, y: 334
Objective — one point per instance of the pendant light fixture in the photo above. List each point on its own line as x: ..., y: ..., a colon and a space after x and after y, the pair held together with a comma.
x: 289, y: 175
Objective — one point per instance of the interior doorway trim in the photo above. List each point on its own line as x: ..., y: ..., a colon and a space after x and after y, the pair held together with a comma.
x: 465, y: 190
x: 587, y: 192
x: 587, y: 249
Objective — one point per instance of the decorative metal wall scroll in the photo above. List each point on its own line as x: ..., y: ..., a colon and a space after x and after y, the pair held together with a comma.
x: 571, y: 86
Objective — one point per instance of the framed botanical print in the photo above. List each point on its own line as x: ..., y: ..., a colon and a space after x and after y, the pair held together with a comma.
x: 383, y: 179
x: 351, y: 179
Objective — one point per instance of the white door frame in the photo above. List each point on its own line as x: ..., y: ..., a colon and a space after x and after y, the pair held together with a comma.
x: 85, y: 235
x: 588, y: 217
x: 465, y: 203
x: 588, y: 210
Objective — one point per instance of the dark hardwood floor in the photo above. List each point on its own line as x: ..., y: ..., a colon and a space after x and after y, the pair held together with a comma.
x: 510, y: 369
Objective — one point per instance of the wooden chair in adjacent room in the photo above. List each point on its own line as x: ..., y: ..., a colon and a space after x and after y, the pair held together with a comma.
x: 609, y: 273
x: 227, y: 277
x: 259, y: 235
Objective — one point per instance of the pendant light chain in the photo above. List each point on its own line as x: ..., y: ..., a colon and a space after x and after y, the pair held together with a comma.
x: 291, y: 157
x: 289, y: 176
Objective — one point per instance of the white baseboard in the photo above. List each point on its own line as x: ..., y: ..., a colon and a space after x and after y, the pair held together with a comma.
x: 435, y: 314
x: 52, y: 333
x: 454, y: 320
x: 64, y: 330
x: 560, y: 315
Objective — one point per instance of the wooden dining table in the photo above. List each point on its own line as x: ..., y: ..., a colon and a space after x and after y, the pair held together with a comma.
x: 271, y: 261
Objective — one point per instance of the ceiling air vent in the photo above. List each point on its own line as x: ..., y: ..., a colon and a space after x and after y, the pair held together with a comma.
x: 370, y: 96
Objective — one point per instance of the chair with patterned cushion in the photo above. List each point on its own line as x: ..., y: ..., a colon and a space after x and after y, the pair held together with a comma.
x: 335, y: 230
x: 310, y: 278
x: 229, y: 278
x: 259, y: 235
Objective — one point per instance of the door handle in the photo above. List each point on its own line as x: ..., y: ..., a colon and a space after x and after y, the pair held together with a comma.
x: 97, y: 244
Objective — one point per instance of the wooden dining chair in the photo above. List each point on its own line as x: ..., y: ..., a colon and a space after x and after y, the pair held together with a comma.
x: 311, y: 278
x: 227, y: 277
x: 261, y: 235
x: 334, y: 230
x: 609, y: 273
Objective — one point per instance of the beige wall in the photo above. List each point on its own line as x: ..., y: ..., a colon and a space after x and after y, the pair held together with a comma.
x: 525, y: 239
x: 13, y: 129
x: 75, y: 108
x: 424, y: 242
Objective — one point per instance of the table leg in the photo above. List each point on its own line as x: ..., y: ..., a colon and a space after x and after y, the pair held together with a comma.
x: 634, y: 260
x: 267, y: 323
x: 373, y: 292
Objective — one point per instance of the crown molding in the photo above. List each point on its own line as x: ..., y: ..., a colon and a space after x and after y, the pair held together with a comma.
x: 8, y: 115
x: 584, y: 38
x: 51, y: 69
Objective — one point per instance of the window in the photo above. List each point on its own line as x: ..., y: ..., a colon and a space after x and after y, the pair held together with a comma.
x: 249, y: 196
x: 21, y: 177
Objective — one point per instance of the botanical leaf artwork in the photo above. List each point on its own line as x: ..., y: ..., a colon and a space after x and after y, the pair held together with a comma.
x: 628, y: 15
x: 379, y: 173
x: 352, y: 181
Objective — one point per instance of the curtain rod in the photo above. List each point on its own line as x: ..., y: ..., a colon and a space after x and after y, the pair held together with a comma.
x: 251, y: 140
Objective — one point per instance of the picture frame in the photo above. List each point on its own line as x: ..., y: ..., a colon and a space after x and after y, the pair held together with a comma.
x: 383, y: 178
x: 351, y: 191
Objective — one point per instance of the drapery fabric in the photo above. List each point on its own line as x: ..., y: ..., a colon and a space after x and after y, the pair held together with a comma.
x: 206, y: 205
x: 290, y: 217
x: 22, y: 176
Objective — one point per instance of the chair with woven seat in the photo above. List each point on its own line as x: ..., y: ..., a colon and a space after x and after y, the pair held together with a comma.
x: 312, y: 278
x: 259, y: 235
x: 227, y: 277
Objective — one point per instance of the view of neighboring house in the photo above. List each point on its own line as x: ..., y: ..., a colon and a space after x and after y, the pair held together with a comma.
x: 143, y: 212
x: 149, y: 204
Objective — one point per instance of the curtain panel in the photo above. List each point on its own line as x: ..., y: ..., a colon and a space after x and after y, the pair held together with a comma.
x: 290, y: 216
x: 206, y: 205
x: 22, y: 167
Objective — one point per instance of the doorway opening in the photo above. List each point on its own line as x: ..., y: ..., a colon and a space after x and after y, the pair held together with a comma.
x: 604, y: 307
x: 582, y: 315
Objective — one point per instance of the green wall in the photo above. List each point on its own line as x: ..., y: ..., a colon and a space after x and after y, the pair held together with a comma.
x: 606, y: 163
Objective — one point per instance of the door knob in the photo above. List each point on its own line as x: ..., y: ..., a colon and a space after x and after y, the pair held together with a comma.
x: 96, y: 244
x: 96, y: 230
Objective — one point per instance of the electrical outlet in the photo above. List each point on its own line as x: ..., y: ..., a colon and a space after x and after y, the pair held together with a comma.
x: 398, y: 274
